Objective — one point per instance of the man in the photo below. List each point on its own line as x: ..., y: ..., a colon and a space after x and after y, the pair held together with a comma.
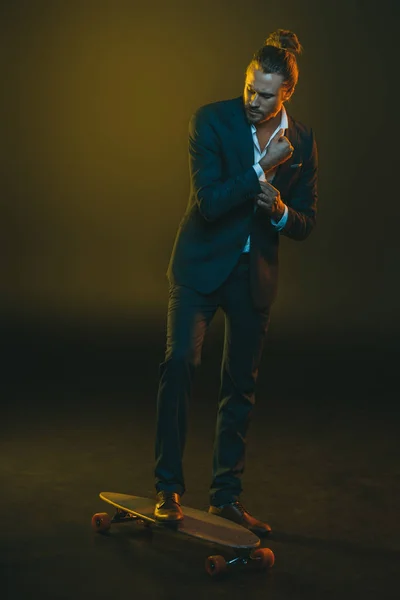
x: 225, y: 256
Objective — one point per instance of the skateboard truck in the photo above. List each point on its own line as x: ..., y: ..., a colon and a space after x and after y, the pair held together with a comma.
x: 260, y: 558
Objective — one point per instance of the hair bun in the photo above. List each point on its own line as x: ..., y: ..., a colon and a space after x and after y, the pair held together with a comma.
x: 284, y: 40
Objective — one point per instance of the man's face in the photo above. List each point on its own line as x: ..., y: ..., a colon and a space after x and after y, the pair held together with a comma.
x: 264, y: 93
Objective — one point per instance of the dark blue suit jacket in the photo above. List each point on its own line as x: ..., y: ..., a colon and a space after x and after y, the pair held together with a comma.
x: 220, y: 212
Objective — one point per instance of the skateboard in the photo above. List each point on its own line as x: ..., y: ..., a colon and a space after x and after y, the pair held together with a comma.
x: 199, y: 524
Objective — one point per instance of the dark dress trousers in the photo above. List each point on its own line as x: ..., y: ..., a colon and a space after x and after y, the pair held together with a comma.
x: 208, y: 270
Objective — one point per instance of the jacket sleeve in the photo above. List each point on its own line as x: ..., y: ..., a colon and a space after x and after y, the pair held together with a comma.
x: 302, y: 202
x: 214, y: 195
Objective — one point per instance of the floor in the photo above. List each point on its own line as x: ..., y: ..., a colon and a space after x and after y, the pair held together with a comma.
x: 322, y: 467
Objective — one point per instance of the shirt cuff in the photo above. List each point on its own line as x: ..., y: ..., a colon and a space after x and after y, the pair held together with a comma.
x: 259, y: 170
x: 282, y: 222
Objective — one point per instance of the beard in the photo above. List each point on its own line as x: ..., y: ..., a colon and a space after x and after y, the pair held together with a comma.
x: 251, y: 117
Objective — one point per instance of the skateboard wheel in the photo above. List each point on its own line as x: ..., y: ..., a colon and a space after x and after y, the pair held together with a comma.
x: 263, y: 558
x: 215, y: 565
x: 101, y: 522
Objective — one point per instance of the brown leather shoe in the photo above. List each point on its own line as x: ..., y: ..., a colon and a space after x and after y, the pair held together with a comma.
x: 235, y: 511
x: 168, y: 508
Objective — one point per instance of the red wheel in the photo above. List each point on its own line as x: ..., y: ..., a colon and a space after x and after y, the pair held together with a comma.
x: 215, y: 565
x: 263, y: 558
x: 101, y: 522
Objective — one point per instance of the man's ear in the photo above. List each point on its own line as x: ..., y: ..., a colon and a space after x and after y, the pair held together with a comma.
x: 287, y: 95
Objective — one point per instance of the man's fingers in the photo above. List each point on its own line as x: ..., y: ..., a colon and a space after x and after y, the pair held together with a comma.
x: 265, y: 185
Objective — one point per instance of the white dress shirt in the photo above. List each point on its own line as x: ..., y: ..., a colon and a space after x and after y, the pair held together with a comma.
x: 258, y: 155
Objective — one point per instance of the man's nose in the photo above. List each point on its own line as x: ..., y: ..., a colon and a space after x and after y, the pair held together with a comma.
x: 254, y: 100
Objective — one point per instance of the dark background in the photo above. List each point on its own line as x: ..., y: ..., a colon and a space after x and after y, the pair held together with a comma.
x: 95, y: 104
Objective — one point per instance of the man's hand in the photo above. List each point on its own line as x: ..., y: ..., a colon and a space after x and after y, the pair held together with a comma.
x: 270, y: 200
x: 278, y: 151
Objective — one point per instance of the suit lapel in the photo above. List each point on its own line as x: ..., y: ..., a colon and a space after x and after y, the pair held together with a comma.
x: 284, y: 172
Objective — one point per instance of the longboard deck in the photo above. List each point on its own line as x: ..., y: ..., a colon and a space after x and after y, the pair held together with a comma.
x: 196, y: 523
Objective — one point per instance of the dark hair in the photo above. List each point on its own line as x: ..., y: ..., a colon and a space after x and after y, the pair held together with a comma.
x: 278, y: 55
